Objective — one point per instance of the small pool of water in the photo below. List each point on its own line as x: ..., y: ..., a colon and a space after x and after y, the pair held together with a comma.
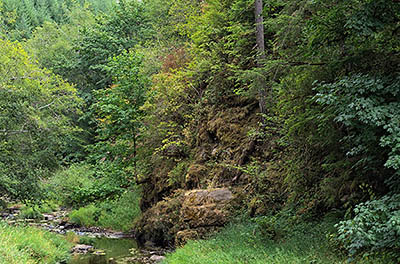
x: 113, y: 249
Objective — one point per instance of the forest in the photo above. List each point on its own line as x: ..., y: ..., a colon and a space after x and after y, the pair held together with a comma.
x: 206, y: 131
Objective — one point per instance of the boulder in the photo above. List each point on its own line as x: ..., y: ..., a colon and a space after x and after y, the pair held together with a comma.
x: 159, y: 224
x: 187, y: 216
x: 156, y: 258
x: 206, y: 208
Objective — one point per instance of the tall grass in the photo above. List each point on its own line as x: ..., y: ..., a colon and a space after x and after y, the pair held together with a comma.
x: 244, y: 243
x: 28, y: 245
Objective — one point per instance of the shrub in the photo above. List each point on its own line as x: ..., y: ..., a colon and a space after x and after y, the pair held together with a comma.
x: 85, y: 216
x: 35, y: 211
x: 121, y: 213
x: 375, y: 229
x: 117, y: 214
x: 71, y: 186
x: 28, y: 212
x: 82, y: 184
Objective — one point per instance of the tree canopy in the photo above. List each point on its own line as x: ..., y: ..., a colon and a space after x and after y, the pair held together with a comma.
x: 37, y: 109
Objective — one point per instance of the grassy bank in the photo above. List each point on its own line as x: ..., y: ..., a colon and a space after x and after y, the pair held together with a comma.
x: 245, y: 243
x: 28, y: 245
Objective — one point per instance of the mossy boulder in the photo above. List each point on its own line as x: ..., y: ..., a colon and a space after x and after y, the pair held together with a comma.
x: 160, y: 223
x: 188, y: 215
x: 204, y: 208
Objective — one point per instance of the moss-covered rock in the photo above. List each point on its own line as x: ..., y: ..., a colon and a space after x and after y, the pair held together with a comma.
x: 204, y: 208
x: 188, y: 215
x: 217, y: 145
x: 195, y: 173
x: 161, y: 222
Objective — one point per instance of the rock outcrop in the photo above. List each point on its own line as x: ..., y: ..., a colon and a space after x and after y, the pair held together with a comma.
x: 189, y: 215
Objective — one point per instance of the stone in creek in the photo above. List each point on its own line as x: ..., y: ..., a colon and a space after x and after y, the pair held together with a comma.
x: 156, y: 258
x: 48, y: 217
x: 99, y: 252
x: 82, y: 249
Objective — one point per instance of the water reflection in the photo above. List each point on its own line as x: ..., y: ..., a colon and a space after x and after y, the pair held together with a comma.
x: 113, y: 249
x: 89, y: 259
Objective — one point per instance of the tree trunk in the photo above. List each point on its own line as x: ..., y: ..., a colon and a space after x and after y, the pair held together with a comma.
x: 260, y: 82
x: 134, y: 159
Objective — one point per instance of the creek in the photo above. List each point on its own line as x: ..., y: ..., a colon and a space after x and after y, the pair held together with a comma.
x: 113, y: 248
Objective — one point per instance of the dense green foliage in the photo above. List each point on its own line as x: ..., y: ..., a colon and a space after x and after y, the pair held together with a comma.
x: 52, y: 45
x: 37, y: 109
x: 20, y: 18
x: 112, y: 33
x: 36, y: 211
x: 81, y: 184
x: 118, y: 112
x: 374, y: 230
x: 27, y: 245
x: 100, y: 195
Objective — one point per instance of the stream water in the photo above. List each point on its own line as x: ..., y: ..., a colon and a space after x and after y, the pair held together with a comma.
x: 113, y: 248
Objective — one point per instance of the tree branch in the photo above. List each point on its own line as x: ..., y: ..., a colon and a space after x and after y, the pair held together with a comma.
x: 45, y: 106
x: 5, y: 131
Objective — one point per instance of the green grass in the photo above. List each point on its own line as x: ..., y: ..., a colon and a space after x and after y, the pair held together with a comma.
x: 28, y: 245
x: 243, y: 243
